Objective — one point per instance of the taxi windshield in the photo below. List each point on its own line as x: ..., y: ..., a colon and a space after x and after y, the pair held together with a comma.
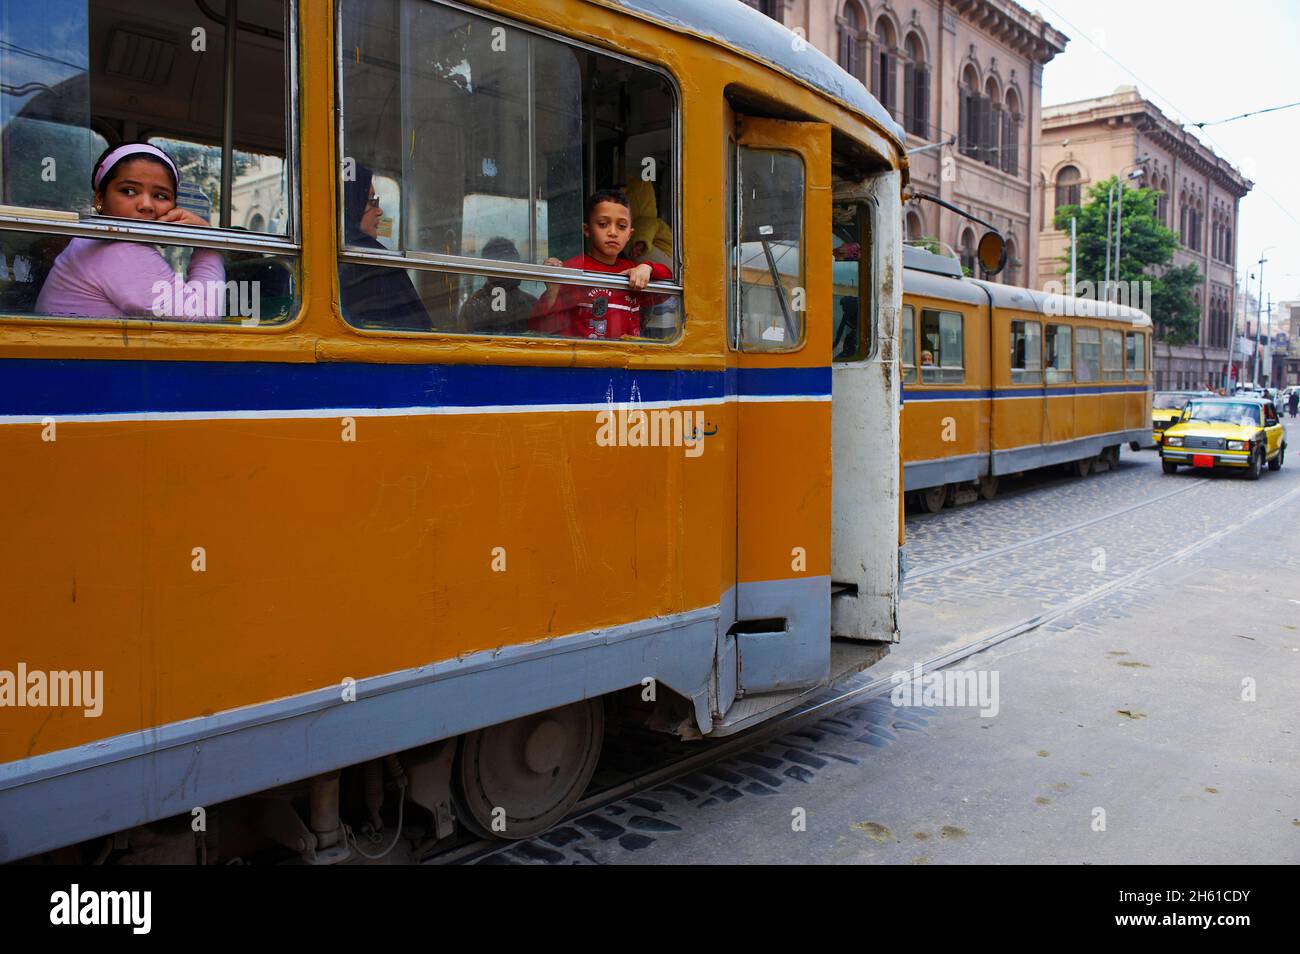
x: 1224, y: 413
x: 1171, y: 399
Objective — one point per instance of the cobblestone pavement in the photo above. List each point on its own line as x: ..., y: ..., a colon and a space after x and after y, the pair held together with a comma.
x: 1158, y: 723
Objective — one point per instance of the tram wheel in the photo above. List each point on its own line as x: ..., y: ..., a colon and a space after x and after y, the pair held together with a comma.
x: 517, y: 779
x: 933, y: 498
x: 988, y: 486
x: 1083, y: 468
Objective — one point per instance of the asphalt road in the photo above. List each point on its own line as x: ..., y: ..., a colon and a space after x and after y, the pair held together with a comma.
x: 1152, y: 717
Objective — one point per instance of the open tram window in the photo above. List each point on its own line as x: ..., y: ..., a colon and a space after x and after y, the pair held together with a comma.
x: 1026, y: 352
x: 907, y: 337
x: 1135, y: 355
x: 80, y: 76
x: 1112, y: 355
x: 1058, y: 354
x: 942, y: 359
x: 1088, y: 355
x: 492, y: 138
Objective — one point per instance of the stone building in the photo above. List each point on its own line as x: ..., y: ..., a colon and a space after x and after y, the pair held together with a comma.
x: 1123, y: 134
x: 965, y: 70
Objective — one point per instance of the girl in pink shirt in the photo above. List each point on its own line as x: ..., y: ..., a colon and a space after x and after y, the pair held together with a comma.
x: 100, y: 278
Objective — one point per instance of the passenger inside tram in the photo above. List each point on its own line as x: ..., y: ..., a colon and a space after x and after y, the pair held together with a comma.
x: 578, y: 311
x: 374, y: 296
x: 205, y: 136
x: 500, y: 307
x: 101, y: 278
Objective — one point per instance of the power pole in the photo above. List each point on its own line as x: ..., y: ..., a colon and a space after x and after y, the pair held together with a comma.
x: 1259, y: 315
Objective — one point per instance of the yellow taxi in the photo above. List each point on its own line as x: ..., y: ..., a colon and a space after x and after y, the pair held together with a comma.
x: 1167, y: 407
x: 1238, y: 432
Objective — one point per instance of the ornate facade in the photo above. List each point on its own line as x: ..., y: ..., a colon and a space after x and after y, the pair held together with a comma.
x: 969, y: 71
x: 1124, y: 134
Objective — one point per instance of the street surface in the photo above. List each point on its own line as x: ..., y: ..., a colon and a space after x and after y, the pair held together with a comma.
x: 1155, y: 720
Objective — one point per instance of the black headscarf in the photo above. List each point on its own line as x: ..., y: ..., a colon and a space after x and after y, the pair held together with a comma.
x: 374, y: 296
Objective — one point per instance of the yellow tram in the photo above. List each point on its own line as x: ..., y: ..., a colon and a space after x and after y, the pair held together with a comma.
x: 999, y: 379
x: 316, y: 547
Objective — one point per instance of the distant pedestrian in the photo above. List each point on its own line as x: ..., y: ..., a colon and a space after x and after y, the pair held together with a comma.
x: 1293, y: 403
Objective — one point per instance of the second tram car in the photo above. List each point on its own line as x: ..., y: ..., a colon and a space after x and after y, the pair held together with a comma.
x: 999, y: 379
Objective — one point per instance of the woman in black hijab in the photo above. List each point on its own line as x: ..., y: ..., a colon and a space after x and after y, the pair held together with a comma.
x: 374, y: 296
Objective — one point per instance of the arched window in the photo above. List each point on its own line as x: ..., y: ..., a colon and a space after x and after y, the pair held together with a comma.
x: 884, y: 65
x: 1011, y: 134
x: 913, y: 227
x: 969, y: 109
x: 1068, y: 188
x: 771, y: 8
x: 1183, y: 210
x: 966, y: 248
x: 991, y: 124
x: 852, y: 38
x: 1162, y: 202
x: 916, y: 88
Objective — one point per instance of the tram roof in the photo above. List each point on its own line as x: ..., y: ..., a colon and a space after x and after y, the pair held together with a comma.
x: 1044, y: 303
x: 741, y: 26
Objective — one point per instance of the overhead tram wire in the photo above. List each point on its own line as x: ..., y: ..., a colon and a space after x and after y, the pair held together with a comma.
x: 1181, y: 114
x: 1255, y: 112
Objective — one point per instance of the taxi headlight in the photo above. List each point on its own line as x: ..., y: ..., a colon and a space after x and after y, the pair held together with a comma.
x: 1174, y: 441
x: 1237, y: 445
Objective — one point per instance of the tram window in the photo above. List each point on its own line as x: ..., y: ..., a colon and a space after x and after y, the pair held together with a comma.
x: 1135, y: 354
x: 850, y: 272
x: 1026, y: 352
x: 493, y: 137
x: 941, y: 347
x: 908, y: 338
x: 1058, y: 354
x: 79, y: 76
x: 1112, y: 355
x: 769, y: 207
x: 1088, y: 356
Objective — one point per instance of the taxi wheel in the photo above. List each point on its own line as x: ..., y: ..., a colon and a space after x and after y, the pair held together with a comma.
x: 1256, y: 465
x: 1134, y: 446
x: 1276, y: 462
x: 1169, y: 467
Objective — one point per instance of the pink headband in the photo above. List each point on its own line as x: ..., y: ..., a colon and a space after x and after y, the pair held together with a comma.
x: 134, y: 149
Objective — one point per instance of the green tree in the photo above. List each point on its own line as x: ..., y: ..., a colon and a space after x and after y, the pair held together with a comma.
x: 1147, y: 252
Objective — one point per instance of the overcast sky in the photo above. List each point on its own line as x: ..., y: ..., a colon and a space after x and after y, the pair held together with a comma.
x: 1203, y: 62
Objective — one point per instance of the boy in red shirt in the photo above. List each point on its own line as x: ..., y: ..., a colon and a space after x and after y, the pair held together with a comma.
x: 587, y: 311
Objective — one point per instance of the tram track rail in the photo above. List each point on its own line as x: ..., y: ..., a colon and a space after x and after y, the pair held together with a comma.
x: 980, y: 557
x: 837, y: 700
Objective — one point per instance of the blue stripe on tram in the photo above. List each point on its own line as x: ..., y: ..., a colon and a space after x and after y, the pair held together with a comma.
x: 63, y: 387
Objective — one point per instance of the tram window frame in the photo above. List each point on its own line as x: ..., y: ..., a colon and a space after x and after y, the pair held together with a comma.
x: 907, y: 343
x: 794, y: 318
x: 1135, y: 355
x: 1022, y: 369
x: 942, y: 372
x: 864, y: 214
x: 459, y: 266
x: 1087, y: 355
x: 1112, y: 355
x: 45, y: 224
x: 1054, y: 351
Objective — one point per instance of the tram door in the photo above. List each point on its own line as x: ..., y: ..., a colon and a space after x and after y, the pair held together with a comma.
x: 780, y: 341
